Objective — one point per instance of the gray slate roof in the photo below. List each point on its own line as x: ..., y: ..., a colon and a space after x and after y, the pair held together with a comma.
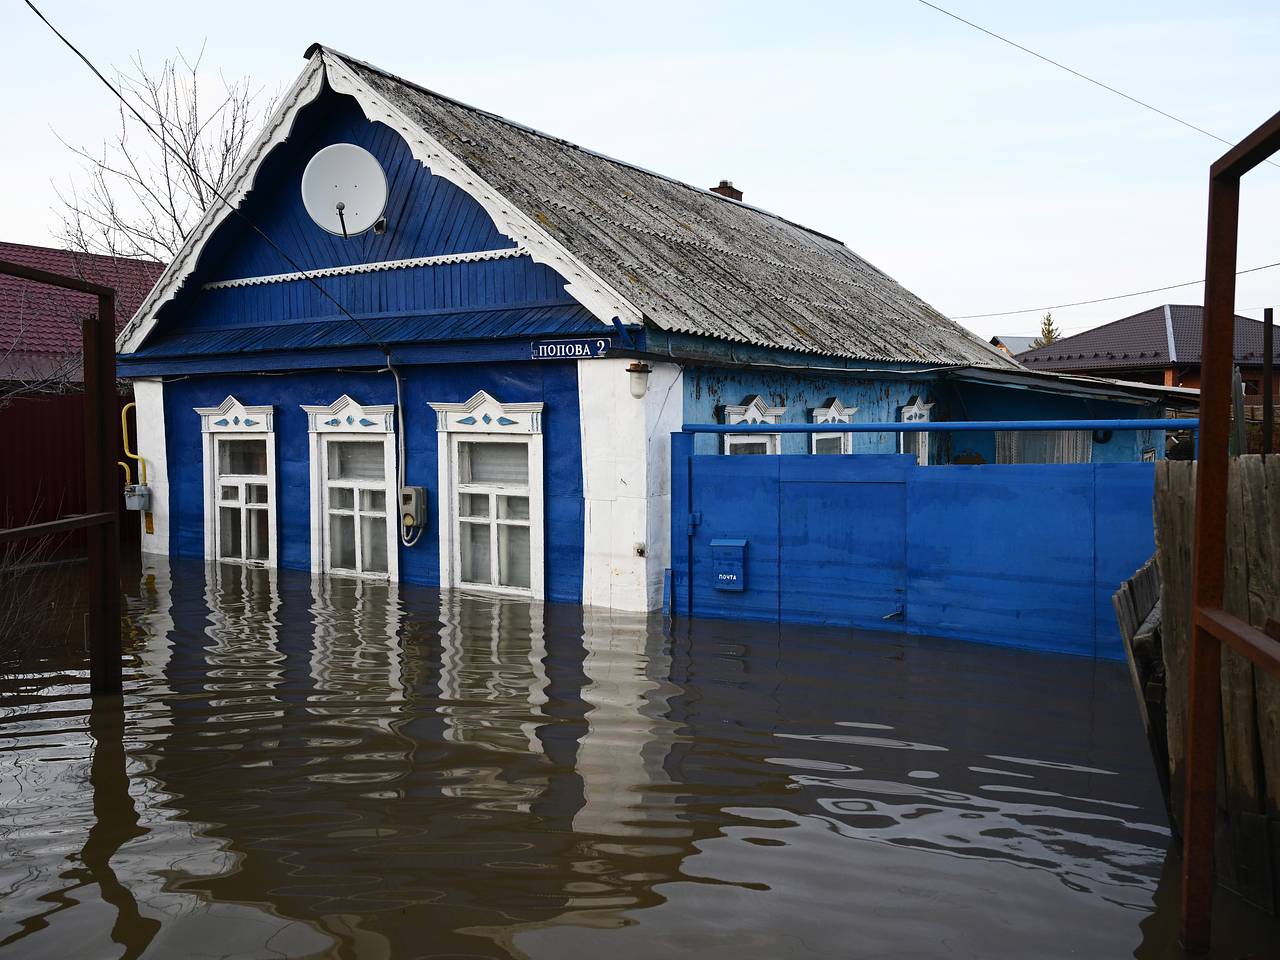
x: 1169, y: 335
x: 692, y: 261
x: 1014, y: 345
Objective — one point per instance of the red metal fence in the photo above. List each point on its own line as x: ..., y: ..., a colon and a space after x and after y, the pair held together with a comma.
x: 42, y: 464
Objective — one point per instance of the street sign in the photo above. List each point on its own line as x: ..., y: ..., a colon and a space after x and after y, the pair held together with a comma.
x: 583, y: 349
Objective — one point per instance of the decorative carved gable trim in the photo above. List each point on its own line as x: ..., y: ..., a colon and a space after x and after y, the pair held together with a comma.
x: 485, y: 414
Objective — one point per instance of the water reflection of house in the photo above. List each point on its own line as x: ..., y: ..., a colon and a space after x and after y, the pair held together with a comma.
x: 551, y: 315
x: 458, y: 790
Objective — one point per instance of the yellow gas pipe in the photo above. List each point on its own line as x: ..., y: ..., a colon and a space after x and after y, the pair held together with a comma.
x: 148, y: 522
x: 124, y: 436
x: 128, y: 474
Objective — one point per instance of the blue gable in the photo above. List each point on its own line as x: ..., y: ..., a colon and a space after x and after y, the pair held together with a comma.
x: 503, y: 294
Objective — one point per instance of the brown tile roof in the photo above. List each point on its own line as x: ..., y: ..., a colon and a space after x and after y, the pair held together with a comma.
x: 39, y: 324
x: 1159, y: 337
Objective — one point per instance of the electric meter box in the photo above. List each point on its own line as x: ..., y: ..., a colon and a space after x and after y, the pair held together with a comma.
x: 729, y: 565
x: 413, y: 506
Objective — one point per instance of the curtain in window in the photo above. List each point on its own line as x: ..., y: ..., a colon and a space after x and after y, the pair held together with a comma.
x: 1044, y: 446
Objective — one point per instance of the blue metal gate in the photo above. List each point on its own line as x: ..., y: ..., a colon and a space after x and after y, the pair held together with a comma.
x: 1017, y: 555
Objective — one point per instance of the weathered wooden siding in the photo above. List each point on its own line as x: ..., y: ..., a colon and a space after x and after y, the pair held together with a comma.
x: 1248, y: 847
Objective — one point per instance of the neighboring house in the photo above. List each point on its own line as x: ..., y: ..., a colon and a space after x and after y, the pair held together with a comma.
x: 40, y: 325
x: 41, y: 372
x: 1160, y: 345
x: 504, y: 347
x: 1013, y: 345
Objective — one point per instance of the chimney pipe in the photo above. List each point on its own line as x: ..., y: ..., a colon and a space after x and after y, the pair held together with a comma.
x: 727, y: 189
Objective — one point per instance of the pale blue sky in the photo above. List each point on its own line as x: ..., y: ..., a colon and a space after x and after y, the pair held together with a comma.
x: 979, y: 177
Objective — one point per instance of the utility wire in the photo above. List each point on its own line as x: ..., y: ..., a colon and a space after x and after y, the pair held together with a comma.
x: 160, y: 137
x: 1119, y: 296
x: 1082, y: 76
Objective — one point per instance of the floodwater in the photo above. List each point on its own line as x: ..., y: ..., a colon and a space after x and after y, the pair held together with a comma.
x: 332, y: 768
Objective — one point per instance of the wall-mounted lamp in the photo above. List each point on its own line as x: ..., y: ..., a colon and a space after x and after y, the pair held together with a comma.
x: 639, y: 371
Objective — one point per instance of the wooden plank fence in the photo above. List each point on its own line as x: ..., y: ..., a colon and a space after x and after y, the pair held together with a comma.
x: 1247, y: 849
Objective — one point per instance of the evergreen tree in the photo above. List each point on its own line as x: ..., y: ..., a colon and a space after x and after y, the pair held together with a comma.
x: 1048, y: 332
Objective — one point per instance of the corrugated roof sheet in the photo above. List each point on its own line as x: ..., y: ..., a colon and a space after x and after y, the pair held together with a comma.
x: 1142, y: 340
x: 563, y: 320
x: 691, y: 260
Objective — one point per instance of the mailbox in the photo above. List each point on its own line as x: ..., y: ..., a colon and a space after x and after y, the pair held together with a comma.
x: 729, y: 565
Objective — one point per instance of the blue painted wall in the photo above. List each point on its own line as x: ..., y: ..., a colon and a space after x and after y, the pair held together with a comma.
x: 552, y: 383
x: 707, y: 389
x: 1024, y: 555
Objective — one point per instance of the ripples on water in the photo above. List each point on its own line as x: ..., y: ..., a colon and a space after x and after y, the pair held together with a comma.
x: 340, y: 768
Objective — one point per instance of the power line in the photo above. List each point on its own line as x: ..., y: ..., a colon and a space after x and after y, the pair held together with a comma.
x: 1119, y: 296
x: 1082, y: 76
x: 160, y: 137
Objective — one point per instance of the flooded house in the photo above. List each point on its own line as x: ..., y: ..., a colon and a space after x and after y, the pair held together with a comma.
x: 425, y: 343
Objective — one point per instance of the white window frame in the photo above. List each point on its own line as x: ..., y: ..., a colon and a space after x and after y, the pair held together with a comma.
x: 916, y: 411
x: 343, y: 421
x: 833, y: 411
x: 233, y: 420
x: 752, y: 410
x: 485, y: 419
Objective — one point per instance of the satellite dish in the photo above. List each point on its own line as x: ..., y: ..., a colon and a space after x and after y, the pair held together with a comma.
x: 344, y: 189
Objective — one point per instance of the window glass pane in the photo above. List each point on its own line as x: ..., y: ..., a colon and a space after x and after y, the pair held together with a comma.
x: 357, y: 460
x: 740, y: 447
x: 230, y: 493
x: 494, y: 463
x: 229, y: 532
x: 257, y: 548
x: 341, y: 498
x: 513, y: 556
x: 373, y: 501
x: 373, y: 544
x: 827, y: 445
x: 242, y: 457
x: 342, y: 541
x: 513, y: 508
x: 474, y: 542
x: 473, y: 504
x: 255, y: 493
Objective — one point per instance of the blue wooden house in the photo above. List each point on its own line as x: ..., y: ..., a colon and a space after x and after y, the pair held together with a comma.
x: 475, y: 385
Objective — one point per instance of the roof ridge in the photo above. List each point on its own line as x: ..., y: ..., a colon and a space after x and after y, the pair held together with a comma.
x: 1102, y: 326
x: 310, y: 51
x: 108, y: 257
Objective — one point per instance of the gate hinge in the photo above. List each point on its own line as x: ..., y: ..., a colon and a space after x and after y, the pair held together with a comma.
x: 694, y: 519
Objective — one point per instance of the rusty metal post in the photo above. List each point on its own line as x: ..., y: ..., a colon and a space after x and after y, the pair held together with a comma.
x: 100, y: 405
x: 1205, y: 697
x: 1268, y: 381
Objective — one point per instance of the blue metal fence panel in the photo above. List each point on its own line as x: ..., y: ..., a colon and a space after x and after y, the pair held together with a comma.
x: 1024, y: 555
x: 1004, y: 554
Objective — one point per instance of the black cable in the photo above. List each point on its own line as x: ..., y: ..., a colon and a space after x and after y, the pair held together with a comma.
x: 1119, y: 296
x: 1085, y: 77
x: 211, y: 188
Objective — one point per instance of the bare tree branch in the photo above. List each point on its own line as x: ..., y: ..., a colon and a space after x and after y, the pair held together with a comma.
x: 135, y: 198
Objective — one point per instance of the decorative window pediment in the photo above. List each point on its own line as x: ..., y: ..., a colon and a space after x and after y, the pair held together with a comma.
x: 345, y: 415
x: 232, y: 416
x: 484, y: 414
x: 753, y: 410
x: 833, y: 411
x: 917, y: 411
